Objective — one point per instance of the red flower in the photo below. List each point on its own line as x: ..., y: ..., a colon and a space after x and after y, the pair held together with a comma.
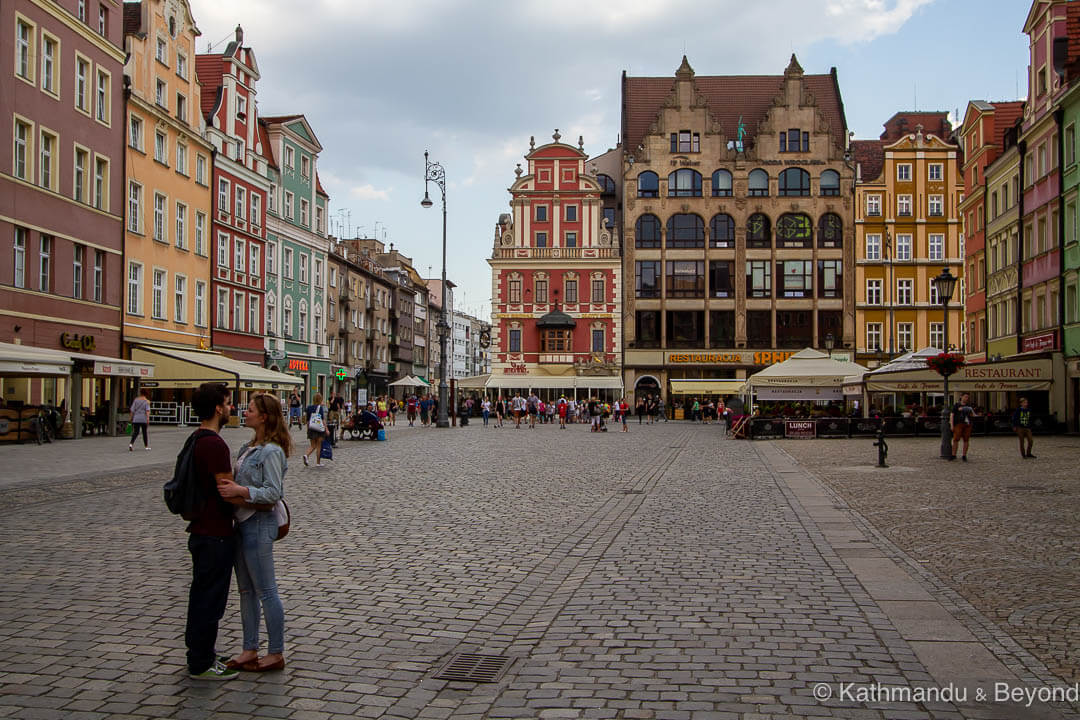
x: 946, y: 363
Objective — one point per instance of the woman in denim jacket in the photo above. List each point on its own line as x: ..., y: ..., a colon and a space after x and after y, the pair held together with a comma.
x: 260, y: 471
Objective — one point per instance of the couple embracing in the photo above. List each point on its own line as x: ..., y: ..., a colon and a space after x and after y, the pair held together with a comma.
x: 233, y: 530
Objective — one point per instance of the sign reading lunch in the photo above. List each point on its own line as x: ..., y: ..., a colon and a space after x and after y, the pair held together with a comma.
x: 729, y: 357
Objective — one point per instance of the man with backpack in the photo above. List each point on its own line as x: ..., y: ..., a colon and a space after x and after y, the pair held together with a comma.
x: 204, y: 461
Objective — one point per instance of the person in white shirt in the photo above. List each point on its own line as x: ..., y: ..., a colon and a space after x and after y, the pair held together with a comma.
x: 485, y: 408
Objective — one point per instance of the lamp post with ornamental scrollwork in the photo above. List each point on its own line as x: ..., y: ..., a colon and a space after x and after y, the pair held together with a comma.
x: 434, y: 173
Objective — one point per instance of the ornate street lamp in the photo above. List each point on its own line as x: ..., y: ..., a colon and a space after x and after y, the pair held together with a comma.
x: 434, y: 173
x: 945, y: 284
x: 830, y: 343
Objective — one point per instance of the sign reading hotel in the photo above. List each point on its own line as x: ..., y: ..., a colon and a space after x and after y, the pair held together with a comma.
x: 729, y: 357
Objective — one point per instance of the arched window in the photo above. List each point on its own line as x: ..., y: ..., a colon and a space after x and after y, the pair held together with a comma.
x: 758, y: 231
x: 830, y: 231
x: 722, y: 231
x: 758, y: 183
x: 685, y: 230
x: 794, y: 182
x: 721, y: 183
x: 607, y: 185
x: 648, y: 184
x: 647, y: 232
x: 301, y: 322
x: 830, y: 182
x: 684, y: 183
x: 271, y: 303
x: 286, y: 317
x: 794, y: 230
x: 317, y: 329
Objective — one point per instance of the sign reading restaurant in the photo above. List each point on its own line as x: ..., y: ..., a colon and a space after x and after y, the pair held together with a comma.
x: 732, y: 357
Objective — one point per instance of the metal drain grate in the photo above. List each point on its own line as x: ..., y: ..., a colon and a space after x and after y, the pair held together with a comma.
x: 468, y: 667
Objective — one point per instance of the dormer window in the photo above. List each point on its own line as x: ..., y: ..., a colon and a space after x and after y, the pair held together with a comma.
x: 685, y: 141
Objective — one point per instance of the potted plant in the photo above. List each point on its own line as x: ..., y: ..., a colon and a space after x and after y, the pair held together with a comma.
x: 946, y: 363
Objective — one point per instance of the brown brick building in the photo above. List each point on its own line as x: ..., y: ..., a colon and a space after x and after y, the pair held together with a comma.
x: 738, y: 247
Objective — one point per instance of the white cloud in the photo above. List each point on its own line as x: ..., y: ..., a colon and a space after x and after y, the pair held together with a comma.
x: 864, y: 20
x: 369, y: 192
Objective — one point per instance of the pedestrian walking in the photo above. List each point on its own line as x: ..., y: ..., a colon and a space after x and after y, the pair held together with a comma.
x: 411, y: 406
x: 624, y: 410
x: 258, y: 485
x: 425, y: 410
x: 485, y: 410
x: 1021, y: 424
x: 660, y: 410
x: 500, y: 411
x: 639, y: 410
x: 140, y: 419
x: 316, y: 415
x: 960, y: 419
x: 562, y: 408
x: 653, y: 409
x: 392, y: 408
x: 211, y: 536
x: 518, y: 405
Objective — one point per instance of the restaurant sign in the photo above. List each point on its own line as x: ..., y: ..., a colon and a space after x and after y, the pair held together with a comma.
x: 799, y: 429
x: 733, y: 357
x: 78, y: 343
x: 1046, y: 341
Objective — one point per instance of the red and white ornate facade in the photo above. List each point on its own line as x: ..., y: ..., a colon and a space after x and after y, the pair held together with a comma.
x: 556, y: 281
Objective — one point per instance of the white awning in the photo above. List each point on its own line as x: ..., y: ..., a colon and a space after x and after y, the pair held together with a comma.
x: 29, y: 361
x: 191, y: 368
x: 707, y: 387
x: 556, y: 382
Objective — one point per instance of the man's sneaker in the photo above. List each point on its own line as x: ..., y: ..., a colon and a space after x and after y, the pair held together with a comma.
x: 217, y: 671
x: 130, y: 448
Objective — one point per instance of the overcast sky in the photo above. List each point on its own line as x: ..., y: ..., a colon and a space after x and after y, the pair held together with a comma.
x: 471, y: 80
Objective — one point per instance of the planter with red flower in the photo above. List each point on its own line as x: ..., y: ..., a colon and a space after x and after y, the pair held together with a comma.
x: 946, y: 363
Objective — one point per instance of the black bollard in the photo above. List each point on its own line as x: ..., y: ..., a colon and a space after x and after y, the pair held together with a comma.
x: 882, y: 448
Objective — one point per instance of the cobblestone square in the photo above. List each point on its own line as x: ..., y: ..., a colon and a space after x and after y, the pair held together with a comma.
x: 662, y: 573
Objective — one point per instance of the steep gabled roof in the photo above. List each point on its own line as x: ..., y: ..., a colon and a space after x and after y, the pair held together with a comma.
x: 934, y: 122
x: 209, y: 69
x: 729, y: 97
x: 1006, y: 115
x: 319, y: 187
x: 870, y: 154
x: 267, y: 147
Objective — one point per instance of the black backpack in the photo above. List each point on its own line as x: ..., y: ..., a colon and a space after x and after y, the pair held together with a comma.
x: 183, y: 492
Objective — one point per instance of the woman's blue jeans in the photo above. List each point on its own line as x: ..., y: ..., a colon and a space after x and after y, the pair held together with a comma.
x: 258, y: 586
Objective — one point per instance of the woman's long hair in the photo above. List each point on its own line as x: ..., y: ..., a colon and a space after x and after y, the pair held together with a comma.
x: 274, y: 428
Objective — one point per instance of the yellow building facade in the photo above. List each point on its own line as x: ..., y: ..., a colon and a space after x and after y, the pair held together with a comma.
x: 907, y: 225
x: 167, y: 241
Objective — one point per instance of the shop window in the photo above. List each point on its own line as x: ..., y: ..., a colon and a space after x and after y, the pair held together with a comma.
x: 794, y: 230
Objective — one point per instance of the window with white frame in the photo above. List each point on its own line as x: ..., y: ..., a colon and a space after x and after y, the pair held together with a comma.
x: 937, y: 205
x: 223, y: 195
x: 317, y: 327
x: 19, y: 258
x: 270, y: 198
x: 24, y: 49
x: 222, y: 319
x: 903, y: 246
x: 271, y: 257
x: 102, y: 20
x: 223, y: 250
x: 873, y: 246
x: 333, y: 278
x: 905, y: 336
x: 181, y: 64
x: 159, y: 218
x: 270, y: 313
x: 161, y: 94
x: 873, y: 337
x: 101, y: 183
x: 301, y: 321
x: 200, y: 303
x: 162, y: 51
x: 180, y: 298
x: 23, y: 142
x: 241, y: 202
x: 161, y: 147
x: 288, y: 204
x: 305, y: 167
x: 104, y: 107
x: 903, y: 172
x: 873, y: 205
x: 200, y: 232
x: 241, y: 255
x: 904, y: 291
x: 82, y: 80
x: 253, y: 312
x: 903, y: 205
x: 135, y: 132
x: 181, y: 158
x: 287, y: 262
x: 318, y: 272
x: 181, y: 226
x: 303, y: 267
x: 99, y: 276
x: 181, y: 107
x: 50, y: 50
x: 78, y: 257
x: 937, y: 246
x: 200, y: 169
x: 933, y: 296
x: 290, y: 156
x: 256, y: 209
x: 255, y: 267
x: 157, y: 295
x: 873, y: 291
x: 319, y: 226
x: 134, y: 288
x: 239, y: 307
x: 935, y: 172
x: 82, y: 162
x: 304, y: 212
x: 47, y: 172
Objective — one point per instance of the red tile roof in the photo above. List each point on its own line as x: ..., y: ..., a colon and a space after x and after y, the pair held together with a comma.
x: 1072, y: 32
x: 729, y: 97
x: 209, y: 70
x: 132, y: 18
x: 267, y: 148
x: 280, y: 118
x: 319, y: 187
x: 903, y: 123
x: 1006, y: 114
x: 870, y: 155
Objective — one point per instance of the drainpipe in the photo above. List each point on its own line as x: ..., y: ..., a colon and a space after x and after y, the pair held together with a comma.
x: 1059, y: 120
x: 211, y: 299
x: 1022, y: 148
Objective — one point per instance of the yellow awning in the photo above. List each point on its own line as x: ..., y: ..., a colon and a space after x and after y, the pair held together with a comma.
x: 706, y: 387
x: 190, y: 368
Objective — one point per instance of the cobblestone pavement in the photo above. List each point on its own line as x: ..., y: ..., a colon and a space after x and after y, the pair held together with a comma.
x: 664, y: 573
x: 1001, y: 531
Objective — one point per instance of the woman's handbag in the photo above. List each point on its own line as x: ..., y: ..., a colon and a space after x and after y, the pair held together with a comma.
x: 283, y: 518
x: 315, y: 422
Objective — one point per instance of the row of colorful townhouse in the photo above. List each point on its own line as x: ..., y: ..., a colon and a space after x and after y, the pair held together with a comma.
x: 161, y: 230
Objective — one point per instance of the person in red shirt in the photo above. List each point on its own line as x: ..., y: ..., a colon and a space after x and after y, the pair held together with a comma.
x: 211, y: 537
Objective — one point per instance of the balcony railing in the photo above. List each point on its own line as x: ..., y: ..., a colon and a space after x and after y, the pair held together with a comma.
x: 556, y: 358
x: 556, y: 252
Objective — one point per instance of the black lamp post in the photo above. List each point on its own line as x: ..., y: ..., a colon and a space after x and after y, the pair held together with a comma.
x: 433, y: 172
x: 945, y: 284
